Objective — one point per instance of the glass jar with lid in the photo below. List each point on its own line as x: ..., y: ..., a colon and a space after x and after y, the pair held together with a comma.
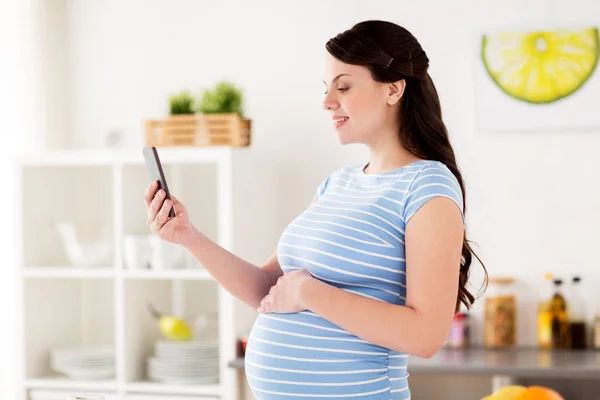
x: 500, y: 324
x: 596, y: 333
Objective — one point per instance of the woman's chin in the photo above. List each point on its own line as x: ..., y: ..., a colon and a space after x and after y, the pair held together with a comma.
x: 346, y: 139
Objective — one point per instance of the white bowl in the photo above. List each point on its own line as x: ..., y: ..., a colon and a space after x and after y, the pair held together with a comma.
x: 80, y: 254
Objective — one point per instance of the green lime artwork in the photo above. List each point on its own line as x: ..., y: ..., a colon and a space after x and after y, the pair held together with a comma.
x: 541, y: 67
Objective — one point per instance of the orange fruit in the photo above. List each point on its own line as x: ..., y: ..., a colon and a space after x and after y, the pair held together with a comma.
x: 538, y: 393
x: 506, y: 393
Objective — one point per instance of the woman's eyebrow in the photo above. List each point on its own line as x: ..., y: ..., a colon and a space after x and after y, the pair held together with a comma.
x: 336, y: 78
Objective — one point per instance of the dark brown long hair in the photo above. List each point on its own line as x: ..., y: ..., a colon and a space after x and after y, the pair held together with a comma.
x: 392, y: 53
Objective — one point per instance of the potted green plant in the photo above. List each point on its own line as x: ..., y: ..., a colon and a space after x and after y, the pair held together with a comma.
x: 224, y: 98
x: 181, y: 103
x: 178, y: 128
x: 215, y: 118
x: 222, y: 106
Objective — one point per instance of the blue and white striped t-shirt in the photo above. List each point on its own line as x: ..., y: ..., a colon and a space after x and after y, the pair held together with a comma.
x: 352, y: 238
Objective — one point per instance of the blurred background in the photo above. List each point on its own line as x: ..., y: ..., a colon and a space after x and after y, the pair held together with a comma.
x: 87, y: 83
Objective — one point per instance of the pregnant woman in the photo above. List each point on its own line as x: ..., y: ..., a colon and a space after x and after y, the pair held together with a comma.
x: 375, y: 268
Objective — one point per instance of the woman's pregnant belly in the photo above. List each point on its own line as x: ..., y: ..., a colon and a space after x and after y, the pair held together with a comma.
x: 301, y: 355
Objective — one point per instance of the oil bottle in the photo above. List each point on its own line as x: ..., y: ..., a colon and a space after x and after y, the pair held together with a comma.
x: 544, y: 315
x: 560, y: 321
x: 577, y: 315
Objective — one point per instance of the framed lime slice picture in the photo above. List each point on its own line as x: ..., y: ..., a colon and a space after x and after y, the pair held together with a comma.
x: 541, y: 67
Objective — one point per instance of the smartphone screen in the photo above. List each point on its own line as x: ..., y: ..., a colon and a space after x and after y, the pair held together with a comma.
x: 156, y: 173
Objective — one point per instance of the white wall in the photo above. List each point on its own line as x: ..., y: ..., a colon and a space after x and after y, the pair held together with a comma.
x: 16, y: 101
x: 532, y: 201
x: 531, y: 207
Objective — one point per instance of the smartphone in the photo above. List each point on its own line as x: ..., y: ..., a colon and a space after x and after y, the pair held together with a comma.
x: 156, y: 173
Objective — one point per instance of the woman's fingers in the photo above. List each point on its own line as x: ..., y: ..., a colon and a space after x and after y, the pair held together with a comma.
x: 178, y: 207
x: 149, y: 194
x: 163, y: 214
x: 156, y: 205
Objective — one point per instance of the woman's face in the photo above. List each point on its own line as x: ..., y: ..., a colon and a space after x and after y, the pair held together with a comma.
x: 359, y: 106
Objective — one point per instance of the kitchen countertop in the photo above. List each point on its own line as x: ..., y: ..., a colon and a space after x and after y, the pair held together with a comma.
x: 519, y: 362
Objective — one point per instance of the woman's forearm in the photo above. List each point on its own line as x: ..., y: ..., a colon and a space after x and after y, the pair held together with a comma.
x: 396, y: 327
x: 243, y: 280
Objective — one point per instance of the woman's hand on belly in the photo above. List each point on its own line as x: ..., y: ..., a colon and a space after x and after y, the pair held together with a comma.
x: 284, y: 297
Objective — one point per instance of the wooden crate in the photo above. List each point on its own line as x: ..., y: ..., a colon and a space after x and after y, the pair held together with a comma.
x: 199, y: 130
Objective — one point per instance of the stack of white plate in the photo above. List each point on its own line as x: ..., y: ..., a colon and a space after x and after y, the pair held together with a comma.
x: 62, y: 394
x: 185, y: 362
x: 84, y: 362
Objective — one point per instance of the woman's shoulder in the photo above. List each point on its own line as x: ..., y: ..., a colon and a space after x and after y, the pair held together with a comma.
x: 434, y: 179
x: 433, y: 168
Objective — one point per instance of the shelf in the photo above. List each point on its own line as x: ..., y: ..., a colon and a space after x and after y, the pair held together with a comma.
x: 63, y: 382
x: 110, y: 273
x: 69, y: 273
x: 65, y: 158
x: 100, y: 193
x: 182, y: 274
x: 154, y: 387
x: 521, y: 361
x: 84, y: 157
x: 182, y: 155
x: 518, y: 362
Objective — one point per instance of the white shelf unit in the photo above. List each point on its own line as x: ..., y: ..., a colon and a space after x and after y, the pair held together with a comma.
x: 103, y: 190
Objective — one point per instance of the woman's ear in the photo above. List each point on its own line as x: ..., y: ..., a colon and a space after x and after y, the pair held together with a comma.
x: 395, y: 91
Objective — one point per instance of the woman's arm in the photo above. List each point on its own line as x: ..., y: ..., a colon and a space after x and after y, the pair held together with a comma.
x: 243, y: 280
x: 235, y: 274
x: 434, y: 238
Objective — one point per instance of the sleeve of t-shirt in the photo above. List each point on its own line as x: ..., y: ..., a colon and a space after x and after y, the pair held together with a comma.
x: 431, y: 182
x: 321, y: 188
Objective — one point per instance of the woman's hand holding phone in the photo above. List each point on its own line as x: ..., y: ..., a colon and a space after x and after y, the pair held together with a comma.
x: 178, y: 229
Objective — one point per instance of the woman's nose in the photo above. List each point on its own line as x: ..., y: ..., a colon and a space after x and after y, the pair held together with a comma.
x: 329, y: 103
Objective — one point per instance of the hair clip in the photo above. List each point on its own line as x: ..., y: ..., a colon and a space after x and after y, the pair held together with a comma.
x: 389, y: 62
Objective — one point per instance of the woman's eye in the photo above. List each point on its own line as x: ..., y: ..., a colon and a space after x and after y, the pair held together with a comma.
x: 340, y: 89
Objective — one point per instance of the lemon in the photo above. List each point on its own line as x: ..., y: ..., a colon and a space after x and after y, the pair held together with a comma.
x: 175, y: 328
x: 541, y: 67
x: 171, y: 327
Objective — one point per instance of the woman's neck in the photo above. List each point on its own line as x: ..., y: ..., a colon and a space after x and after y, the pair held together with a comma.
x: 387, y: 158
